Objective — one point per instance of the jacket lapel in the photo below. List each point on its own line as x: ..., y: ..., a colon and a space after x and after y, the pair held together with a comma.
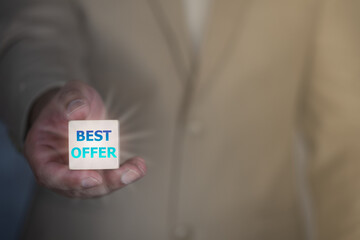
x: 171, y: 21
x: 218, y: 41
x: 220, y: 38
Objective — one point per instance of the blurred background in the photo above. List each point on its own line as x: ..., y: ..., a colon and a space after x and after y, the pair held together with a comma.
x: 17, y: 185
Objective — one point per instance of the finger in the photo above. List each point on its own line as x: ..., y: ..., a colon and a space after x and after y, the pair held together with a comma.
x: 54, y: 174
x: 130, y: 171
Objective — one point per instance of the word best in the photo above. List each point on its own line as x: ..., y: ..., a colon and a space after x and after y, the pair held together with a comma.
x: 94, y: 144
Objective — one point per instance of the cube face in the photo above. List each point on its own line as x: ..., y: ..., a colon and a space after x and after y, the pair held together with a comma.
x: 94, y: 144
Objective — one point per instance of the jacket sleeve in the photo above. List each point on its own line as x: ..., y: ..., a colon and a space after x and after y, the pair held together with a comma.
x: 332, y: 122
x: 42, y: 47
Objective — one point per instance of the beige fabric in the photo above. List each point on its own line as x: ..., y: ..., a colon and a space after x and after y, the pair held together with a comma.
x: 217, y: 131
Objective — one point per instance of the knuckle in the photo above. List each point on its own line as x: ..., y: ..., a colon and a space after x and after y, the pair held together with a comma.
x: 73, y: 90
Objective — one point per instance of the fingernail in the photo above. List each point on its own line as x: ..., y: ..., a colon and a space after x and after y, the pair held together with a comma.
x: 89, y: 182
x: 129, y: 176
x: 140, y: 166
x: 74, y: 105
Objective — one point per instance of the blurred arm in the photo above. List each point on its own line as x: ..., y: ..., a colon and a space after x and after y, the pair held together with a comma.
x: 41, y: 48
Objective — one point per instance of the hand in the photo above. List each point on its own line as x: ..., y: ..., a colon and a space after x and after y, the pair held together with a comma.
x: 46, y: 144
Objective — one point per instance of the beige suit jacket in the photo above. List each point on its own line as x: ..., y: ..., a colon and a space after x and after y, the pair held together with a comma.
x: 220, y: 131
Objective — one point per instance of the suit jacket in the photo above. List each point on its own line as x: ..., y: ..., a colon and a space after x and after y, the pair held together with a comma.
x: 256, y: 137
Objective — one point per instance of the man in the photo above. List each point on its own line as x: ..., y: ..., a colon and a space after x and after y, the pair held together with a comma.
x: 215, y: 116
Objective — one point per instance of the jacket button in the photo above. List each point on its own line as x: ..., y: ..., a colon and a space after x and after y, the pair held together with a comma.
x: 181, y: 232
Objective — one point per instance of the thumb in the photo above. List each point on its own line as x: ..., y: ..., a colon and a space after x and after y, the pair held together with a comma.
x: 75, y: 99
x: 77, y: 109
